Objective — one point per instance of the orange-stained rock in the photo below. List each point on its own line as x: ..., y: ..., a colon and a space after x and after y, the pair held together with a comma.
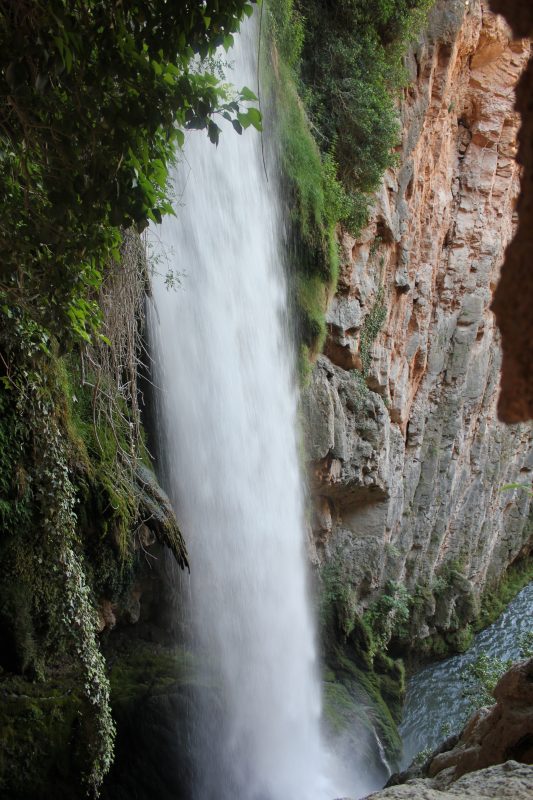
x: 412, y: 459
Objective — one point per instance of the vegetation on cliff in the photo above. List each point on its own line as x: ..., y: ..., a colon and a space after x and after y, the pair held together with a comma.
x: 338, y: 70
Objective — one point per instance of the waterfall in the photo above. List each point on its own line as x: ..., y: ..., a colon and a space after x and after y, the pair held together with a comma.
x: 228, y: 420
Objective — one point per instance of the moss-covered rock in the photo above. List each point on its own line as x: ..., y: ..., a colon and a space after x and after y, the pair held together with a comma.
x: 364, y: 688
x: 42, y: 738
x: 43, y: 726
x: 155, y: 508
x: 497, y: 597
x: 71, y: 506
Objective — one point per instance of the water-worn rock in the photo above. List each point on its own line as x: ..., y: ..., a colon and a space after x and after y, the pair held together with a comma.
x: 408, y: 465
x: 510, y: 780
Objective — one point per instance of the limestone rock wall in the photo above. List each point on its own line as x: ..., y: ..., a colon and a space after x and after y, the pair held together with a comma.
x: 409, y: 460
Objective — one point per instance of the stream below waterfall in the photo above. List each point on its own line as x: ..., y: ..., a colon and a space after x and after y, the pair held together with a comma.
x: 434, y: 706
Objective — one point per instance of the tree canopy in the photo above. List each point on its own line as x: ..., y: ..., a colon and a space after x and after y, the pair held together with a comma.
x: 96, y: 97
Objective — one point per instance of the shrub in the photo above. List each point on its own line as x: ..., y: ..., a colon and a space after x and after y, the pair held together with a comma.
x: 388, y: 616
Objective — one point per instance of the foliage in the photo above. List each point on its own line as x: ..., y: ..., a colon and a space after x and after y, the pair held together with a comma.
x: 98, y: 96
x: 361, y: 679
x: 359, y: 395
x: 388, y: 615
x: 69, y: 503
x: 526, y: 645
x: 497, y: 597
x: 522, y: 487
x: 480, y: 677
x: 421, y: 757
x: 310, y: 191
x: 46, y: 601
x: 371, y: 327
x: 352, y: 67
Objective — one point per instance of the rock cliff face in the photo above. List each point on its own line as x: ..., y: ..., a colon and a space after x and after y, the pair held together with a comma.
x: 408, y: 457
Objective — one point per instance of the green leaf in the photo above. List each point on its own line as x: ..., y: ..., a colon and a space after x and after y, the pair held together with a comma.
x: 247, y: 94
x: 524, y: 486
x: 255, y: 118
x: 68, y: 58
x: 213, y: 131
x: 243, y: 119
x: 250, y: 117
x: 228, y: 42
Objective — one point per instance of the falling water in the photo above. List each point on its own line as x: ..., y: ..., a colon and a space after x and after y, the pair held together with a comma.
x: 228, y: 419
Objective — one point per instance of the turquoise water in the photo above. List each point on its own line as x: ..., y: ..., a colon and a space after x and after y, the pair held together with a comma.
x: 434, y: 706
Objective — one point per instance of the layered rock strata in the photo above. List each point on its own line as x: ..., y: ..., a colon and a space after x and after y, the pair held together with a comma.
x: 408, y: 458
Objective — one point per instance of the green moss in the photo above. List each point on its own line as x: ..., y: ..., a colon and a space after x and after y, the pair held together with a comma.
x: 42, y: 733
x: 497, y: 597
x: 316, y: 200
x: 441, y: 644
x: 361, y: 680
x: 140, y: 667
x: 340, y: 709
x: 371, y: 689
x: 44, y: 725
